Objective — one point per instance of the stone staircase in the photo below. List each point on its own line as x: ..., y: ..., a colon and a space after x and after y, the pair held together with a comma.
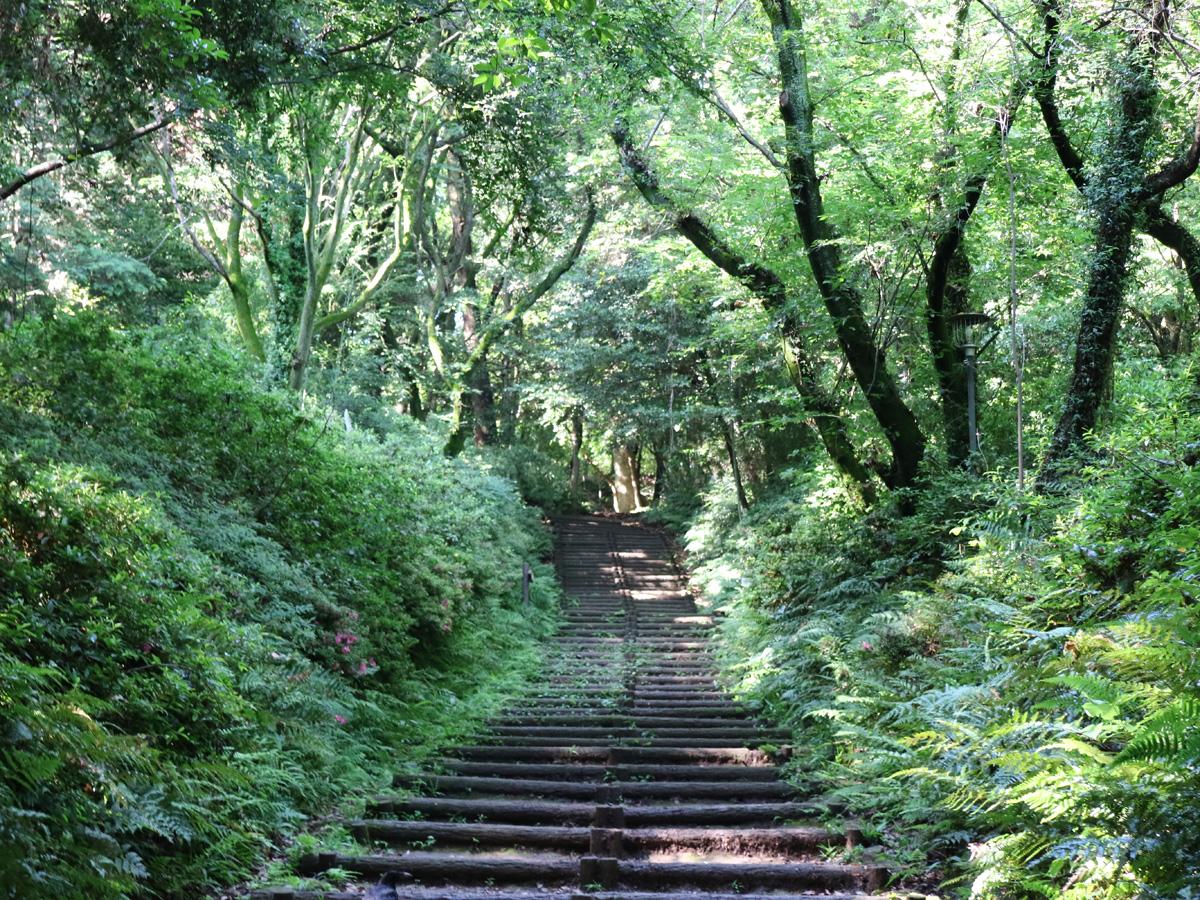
x: 626, y: 773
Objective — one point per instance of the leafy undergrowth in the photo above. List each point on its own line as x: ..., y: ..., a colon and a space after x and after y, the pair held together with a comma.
x: 1004, y: 688
x: 219, y: 616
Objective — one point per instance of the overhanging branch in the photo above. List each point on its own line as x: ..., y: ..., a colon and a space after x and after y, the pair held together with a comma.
x: 84, y: 150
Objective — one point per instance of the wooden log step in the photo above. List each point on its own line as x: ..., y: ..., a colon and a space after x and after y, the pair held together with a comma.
x: 470, y: 834
x: 684, y: 895
x: 669, y: 695
x: 567, y: 733
x: 597, y: 791
x: 522, y: 812
x: 598, y: 702
x: 781, y: 840
x: 457, y: 868
x: 702, y: 723
x: 602, y: 771
x: 690, y: 756
x: 648, y: 740
x: 598, y: 719
x: 734, y: 877
x: 692, y: 814
x: 530, y: 710
x: 551, y: 754
x: 607, y: 755
x: 545, y: 812
x: 676, y: 707
x: 575, y: 718
x: 452, y: 893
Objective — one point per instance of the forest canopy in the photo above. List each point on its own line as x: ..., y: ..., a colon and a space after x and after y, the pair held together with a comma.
x: 890, y: 311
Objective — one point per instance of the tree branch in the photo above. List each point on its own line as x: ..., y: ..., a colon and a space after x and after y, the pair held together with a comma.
x: 1177, y: 170
x: 84, y: 150
x: 560, y: 268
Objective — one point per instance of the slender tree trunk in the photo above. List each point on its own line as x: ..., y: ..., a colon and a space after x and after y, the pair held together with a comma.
x: 827, y: 420
x: 660, y: 475
x: 576, y: 478
x: 635, y: 460
x: 416, y: 407
x: 304, y: 338
x: 734, y: 468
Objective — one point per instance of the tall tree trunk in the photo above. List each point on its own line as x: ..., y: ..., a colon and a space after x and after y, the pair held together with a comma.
x: 624, y: 482
x: 827, y: 420
x: 1120, y: 196
x: 304, y: 339
x: 766, y: 284
x: 866, y: 358
x: 944, y: 300
x: 460, y: 427
x: 416, y: 407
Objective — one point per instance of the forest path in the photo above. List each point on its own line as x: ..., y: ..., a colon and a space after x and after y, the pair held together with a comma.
x: 625, y: 772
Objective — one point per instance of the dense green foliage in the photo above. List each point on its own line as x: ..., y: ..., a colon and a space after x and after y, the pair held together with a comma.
x: 220, y: 615
x: 296, y: 299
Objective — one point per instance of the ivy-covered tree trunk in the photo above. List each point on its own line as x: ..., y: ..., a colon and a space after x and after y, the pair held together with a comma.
x: 483, y: 403
x: 1115, y: 194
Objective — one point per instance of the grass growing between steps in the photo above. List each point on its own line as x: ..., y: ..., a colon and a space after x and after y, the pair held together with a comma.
x: 220, y: 616
x: 1004, y: 688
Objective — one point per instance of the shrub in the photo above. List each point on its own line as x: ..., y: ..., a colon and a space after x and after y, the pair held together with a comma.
x: 219, y: 614
x: 1003, y: 687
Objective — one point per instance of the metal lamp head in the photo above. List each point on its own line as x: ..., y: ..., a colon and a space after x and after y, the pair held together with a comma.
x: 969, y: 328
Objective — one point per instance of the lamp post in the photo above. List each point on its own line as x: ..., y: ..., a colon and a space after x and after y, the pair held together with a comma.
x: 969, y: 329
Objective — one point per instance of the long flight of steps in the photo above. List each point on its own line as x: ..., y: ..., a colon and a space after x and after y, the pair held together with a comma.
x: 626, y: 773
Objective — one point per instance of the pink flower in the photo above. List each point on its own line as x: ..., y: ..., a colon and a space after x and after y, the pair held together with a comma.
x: 341, y: 720
x: 866, y: 645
